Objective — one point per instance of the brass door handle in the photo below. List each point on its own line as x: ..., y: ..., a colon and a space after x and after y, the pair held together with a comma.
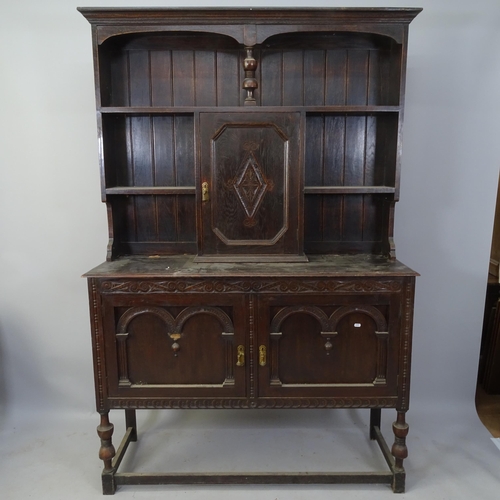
x: 262, y: 355
x: 240, y: 356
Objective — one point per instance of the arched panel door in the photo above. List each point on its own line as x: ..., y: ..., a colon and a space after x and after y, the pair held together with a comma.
x: 177, y: 347
x: 330, y: 346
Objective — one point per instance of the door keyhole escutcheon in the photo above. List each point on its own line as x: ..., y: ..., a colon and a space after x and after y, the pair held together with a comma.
x: 262, y: 355
x: 240, y: 356
x: 204, y: 192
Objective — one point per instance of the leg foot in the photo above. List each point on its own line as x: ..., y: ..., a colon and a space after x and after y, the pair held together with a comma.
x: 108, y: 483
x: 400, y: 452
x: 398, y: 482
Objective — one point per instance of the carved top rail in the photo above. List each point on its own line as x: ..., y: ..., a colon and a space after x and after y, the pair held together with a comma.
x: 247, y: 25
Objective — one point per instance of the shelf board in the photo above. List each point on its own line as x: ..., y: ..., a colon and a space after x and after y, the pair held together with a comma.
x: 351, y: 109
x: 138, y: 190
x: 151, y: 110
x: 148, y: 110
x: 190, y: 190
x: 349, y: 190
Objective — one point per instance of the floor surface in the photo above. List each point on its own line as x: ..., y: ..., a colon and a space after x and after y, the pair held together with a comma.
x: 451, y: 455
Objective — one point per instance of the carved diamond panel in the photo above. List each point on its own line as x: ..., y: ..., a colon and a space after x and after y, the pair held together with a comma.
x: 250, y: 185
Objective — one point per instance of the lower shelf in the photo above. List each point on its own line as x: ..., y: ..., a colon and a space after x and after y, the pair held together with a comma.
x: 111, y: 478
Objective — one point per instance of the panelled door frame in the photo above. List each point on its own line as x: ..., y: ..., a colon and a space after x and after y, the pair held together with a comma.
x: 242, y: 180
x: 384, y: 384
x: 232, y: 332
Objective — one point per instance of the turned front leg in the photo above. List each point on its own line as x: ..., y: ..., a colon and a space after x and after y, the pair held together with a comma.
x: 106, y: 454
x: 400, y: 452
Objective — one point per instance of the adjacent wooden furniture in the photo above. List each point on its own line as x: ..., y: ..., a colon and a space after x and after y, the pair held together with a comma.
x: 250, y: 163
x: 489, y: 359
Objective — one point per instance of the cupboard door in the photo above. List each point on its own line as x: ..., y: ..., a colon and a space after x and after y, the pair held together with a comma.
x: 165, y: 347
x: 325, y: 346
x: 251, y: 187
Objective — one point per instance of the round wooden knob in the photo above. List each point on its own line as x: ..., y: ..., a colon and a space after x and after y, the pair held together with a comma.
x: 250, y: 64
x: 328, y: 346
x: 250, y: 83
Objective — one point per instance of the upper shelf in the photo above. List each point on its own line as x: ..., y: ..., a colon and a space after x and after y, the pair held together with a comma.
x: 167, y: 110
x: 186, y: 70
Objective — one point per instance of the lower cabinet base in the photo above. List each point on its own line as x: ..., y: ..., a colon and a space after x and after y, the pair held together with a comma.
x: 112, y: 459
x: 173, y: 334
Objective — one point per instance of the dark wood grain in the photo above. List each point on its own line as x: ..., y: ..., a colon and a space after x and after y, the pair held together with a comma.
x: 233, y: 140
x: 247, y: 162
x: 152, y: 71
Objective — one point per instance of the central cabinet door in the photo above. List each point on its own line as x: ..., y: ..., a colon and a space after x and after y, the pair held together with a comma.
x: 251, y: 187
x: 328, y: 346
x: 169, y: 346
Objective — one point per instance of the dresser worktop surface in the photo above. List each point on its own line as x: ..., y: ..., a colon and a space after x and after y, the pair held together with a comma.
x: 184, y: 265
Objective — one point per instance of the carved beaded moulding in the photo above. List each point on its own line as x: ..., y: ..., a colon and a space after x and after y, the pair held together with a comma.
x: 276, y: 403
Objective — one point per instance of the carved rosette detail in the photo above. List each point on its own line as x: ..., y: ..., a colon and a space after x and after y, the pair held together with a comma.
x: 245, y: 286
x: 276, y: 403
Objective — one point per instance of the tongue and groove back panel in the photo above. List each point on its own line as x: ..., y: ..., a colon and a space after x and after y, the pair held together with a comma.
x: 347, y: 85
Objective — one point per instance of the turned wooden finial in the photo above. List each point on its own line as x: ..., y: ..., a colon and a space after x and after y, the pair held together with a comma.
x: 250, y: 82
